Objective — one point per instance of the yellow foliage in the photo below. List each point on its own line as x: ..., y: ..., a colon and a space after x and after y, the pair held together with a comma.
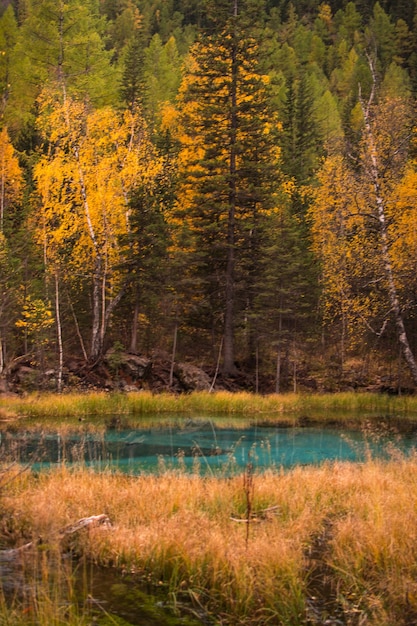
x: 36, y: 319
x: 403, y: 227
x: 11, y: 177
x: 169, y: 118
x: 325, y: 13
x: 341, y: 240
x: 95, y: 160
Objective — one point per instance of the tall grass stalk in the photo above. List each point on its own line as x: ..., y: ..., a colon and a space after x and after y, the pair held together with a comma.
x: 180, y: 530
x: 44, y: 593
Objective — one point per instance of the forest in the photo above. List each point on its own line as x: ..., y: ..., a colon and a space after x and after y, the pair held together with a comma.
x: 227, y: 183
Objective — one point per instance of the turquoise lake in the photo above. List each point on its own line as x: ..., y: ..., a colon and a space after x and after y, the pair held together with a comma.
x: 201, y: 446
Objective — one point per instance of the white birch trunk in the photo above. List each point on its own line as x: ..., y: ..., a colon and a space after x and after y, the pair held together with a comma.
x: 375, y: 176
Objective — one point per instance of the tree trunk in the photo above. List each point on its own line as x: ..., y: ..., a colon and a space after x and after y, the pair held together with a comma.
x: 77, y: 330
x: 96, y: 346
x: 59, y: 333
x: 279, y: 352
x: 101, y: 312
x: 228, y: 344
x: 174, y: 350
x: 2, y: 194
x: 134, y: 331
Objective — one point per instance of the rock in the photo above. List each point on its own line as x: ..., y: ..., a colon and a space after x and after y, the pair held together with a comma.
x: 130, y: 388
x: 26, y: 375
x: 130, y: 367
x: 192, y: 378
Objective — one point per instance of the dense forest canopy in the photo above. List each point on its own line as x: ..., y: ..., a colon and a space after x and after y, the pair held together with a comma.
x: 230, y: 182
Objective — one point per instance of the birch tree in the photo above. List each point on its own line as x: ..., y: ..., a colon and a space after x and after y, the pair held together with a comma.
x: 385, y: 141
x: 357, y: 219
x: 93, y: 160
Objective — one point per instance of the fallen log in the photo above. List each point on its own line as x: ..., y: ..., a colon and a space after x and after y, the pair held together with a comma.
x: 84, y: 522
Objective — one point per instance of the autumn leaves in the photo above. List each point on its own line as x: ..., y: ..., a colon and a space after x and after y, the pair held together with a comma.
x: 95, y: 159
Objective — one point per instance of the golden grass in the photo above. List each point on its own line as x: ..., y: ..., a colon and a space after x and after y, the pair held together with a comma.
x: 181, y: 529
x: 135, y: 409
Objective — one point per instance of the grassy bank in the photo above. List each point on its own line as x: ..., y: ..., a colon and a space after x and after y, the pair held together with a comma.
x: 294, y: 548
x: 338, y: 540
x: 40, y: 410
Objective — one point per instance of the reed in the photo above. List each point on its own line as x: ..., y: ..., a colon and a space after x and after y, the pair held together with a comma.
x: 373, y: 403
x: 44, y: 593
x: 100, y: 408
x: 345, y: 530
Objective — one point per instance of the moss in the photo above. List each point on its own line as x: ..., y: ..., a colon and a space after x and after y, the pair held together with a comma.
x: 128, y: 604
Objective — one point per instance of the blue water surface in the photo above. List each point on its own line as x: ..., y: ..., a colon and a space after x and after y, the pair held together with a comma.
x: 200, y: 446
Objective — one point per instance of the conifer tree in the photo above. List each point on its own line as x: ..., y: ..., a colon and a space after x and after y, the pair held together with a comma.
x: 381, y: 36
x: 228, y: 164
x: 8, y: 37
x: 302, y: 144
x: 133, y: 86
x: 287, y: 296
x: 61, y: 41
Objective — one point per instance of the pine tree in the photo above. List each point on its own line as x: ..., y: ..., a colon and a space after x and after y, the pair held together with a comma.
x: 145, y: 260
x: 302, y: 143
x: 287, y: 297
x: 381, y: 36
x: 162, y: 73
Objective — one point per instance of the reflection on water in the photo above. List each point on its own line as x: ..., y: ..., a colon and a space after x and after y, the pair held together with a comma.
x: 200, y: 446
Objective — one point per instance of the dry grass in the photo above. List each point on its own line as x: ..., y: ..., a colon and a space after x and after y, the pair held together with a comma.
x: 181, y: 529
x: 54, y: 411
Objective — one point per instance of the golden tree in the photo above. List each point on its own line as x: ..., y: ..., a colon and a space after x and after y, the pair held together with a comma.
x: 93, y: 161
x: 343, y: 240
x: 11, y: 177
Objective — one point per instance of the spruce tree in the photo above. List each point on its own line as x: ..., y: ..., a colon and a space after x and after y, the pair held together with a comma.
x: 8, y: 37
x: 133, y: 86
x: 229, y: 165
x: 302, y: 143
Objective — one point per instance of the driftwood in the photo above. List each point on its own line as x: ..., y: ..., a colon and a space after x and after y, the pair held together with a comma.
x: 84, y: 522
